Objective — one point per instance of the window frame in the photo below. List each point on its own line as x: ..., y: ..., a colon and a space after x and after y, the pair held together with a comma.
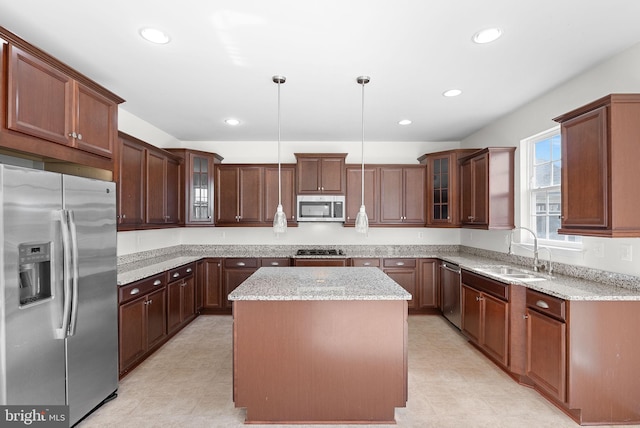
x: 527, y: 215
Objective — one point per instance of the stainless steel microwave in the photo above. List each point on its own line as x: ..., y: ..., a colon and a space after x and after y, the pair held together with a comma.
x: 321, y: 208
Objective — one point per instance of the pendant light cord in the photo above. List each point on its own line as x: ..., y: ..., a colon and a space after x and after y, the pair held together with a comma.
x: 279, y: 167
x: 362, y: 178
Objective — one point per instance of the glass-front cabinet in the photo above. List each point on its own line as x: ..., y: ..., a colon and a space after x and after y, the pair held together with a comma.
x: 198, y: 187
x: 442, y: 187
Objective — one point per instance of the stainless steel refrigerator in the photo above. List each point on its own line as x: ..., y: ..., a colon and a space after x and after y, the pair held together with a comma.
x: 58, y: 301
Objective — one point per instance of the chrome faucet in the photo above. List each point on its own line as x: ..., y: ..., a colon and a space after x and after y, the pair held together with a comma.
x: 536, y: 262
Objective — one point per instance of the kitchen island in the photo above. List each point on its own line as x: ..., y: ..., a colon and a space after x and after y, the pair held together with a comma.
x: 319, y: 345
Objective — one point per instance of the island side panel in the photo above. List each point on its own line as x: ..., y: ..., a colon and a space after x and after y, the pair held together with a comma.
x: 320, y: 361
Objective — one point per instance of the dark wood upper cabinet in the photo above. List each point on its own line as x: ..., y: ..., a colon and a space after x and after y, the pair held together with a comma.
x: 147, y: 184
x: 487, y: 188
x: 288, y: 174
x: 402, y: 195
x: 239, y: 195
x: 599, y: 168
x: 45, y: 101
x: 443, y: 187
x: 353, y: 199
x: 196, y: 186
x: 321, y: 173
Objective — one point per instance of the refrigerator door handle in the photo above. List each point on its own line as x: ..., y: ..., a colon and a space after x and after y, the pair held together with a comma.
x: 76, y: 274
x: 61, y: 333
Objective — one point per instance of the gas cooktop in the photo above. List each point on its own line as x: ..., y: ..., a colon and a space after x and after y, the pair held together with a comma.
x: 318, y: 252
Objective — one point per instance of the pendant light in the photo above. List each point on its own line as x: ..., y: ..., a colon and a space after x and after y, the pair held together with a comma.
x: 362, y: 221
x: 280, y: 218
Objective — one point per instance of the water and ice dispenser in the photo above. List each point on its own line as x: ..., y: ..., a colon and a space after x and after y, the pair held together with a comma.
x: 35, y: 272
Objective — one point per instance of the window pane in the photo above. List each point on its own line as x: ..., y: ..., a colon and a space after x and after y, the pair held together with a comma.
x: 556, y: 151
x: 445, y: 196
x: 541, y: 226
x: 557, y: 167
x: 542, y: 151
x: 542, y: 174
x: 436, y: 166
x: 444, y: 165
x: 554, y: 225
x: 540, y: 203
x: 554, y: 203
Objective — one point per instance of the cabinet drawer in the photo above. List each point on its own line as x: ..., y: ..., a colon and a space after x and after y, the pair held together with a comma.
x: 140, y: 288
x: 182, y: 271
x: 275, y: 261
x: 399, y: 263
x: 365, y: 262
x: 546, y: 304
x: 484, y: 284
x: 239, y: 262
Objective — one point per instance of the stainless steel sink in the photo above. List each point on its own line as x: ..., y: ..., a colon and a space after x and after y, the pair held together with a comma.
x: 507, y: 272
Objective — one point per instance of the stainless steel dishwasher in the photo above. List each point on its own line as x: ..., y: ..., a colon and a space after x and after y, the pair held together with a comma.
x: 450, y: 281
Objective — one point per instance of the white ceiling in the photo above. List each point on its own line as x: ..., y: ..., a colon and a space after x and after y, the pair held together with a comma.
x: 223, y: 54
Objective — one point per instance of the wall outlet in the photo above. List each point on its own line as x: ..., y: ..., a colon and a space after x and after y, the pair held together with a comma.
x: 626, y: 252
x: 470, y: 236
x: 420, y: 235
x: 598, y: 251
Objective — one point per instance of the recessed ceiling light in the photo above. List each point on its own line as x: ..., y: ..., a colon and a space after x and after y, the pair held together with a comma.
x: 452, y: 93
x: 154, y: 36
x: 404, y: 122
x: 232, y: 122
x: 487, y: 35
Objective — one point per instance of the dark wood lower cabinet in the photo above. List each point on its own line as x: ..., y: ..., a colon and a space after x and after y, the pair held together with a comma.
x: 320, y: 262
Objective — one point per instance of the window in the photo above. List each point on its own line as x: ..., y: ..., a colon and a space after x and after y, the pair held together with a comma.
x: 544, y: 188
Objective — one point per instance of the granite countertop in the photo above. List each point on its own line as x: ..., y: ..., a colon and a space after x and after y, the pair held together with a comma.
x: 603, y: 286
x: 319, y: 283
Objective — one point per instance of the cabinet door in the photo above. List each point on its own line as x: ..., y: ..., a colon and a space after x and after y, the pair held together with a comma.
x: 172, y: 193
x: 156, y: 317
x: 471, y: 313
x: 131, y: 183
x: 174, y: 305
x: 95, y: 122
x: 428, y: 283
x: 232, y: 279
x: 354, y: 193
x: 39, y: 98
x: 227, y: 195
x: 414, y: 195
x: 156, y: 187
x: 200, y: 170
x: 546, y: 354
x: 288, y: 174
x: 440, y: 195
x: 331, y: 180
x: 188, y: 299
x: 474, y: 208
x: 495, y: 328
x: 213, y: 284
x: 309, y: 175
x: 132, y: 338
x: 320, y: 262
x: 585, y: 170
x: 200, y: 282
x: 251, y: 188
x: 391, y: 200
x: 406, y: 277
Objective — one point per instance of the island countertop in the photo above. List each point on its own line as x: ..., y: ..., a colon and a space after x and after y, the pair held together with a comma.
x: 319, y: 283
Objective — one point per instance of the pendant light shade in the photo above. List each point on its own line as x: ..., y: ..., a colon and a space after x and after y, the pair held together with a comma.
x: 280, y: 218
x: 362, y: 221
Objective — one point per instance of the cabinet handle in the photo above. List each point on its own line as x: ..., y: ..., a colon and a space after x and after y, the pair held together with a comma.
x: 275, y: 264
x: 73, y: 135
x: 124, y: 216
x: 150, y: 301
x: 478, y: 298
x: 157, y: 282
x: 134, y: 291
x: 177, y: 274
x: 399, y: 263
x: 542, y: 304
x: 525, y: 316
x: 366, y: 264
x: 189, y: 270
x: 240, y: 264
x: 183, y: 284
x: 79, y: 136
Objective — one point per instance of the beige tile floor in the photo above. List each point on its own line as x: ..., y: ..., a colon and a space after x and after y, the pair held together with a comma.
x: 187, y: 384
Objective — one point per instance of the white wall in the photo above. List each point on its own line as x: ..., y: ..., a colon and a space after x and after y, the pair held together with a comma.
x: 620, y: 74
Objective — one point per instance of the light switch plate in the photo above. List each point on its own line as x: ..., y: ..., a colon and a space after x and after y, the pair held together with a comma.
x: 626, y: 252
x: 598, y: 251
